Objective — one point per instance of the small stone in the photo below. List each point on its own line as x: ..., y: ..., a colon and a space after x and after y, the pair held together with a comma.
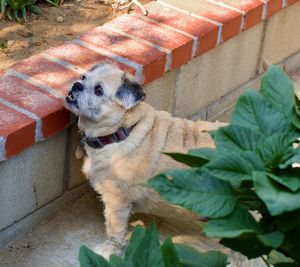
x: 10, y: 43
x: 37, y: 43
x: 60, y: 19
x: 25, y: 34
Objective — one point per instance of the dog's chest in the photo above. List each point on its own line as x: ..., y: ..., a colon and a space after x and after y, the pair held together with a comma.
x: 97, y: 163
x: 107, y: 163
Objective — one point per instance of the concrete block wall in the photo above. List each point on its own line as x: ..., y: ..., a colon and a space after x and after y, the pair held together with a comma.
x: 32, y: 179
x: 205, y: 79
x: 198, y: 76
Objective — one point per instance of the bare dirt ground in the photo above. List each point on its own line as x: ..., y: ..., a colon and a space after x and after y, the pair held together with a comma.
x: 53, y: 27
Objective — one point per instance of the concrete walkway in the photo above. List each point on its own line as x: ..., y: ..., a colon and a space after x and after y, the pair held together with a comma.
x: 56, y: 242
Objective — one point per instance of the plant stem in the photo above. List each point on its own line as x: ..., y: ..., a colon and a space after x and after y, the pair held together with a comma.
x: 265, y: 261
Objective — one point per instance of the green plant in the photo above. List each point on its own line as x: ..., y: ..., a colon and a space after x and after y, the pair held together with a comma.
x: 249, y: 172
x: 144, y: 250
x: 54, y: 2
x: 15, y: 7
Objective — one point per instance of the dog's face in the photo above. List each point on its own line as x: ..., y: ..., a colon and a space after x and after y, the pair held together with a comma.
x: 104, y: 92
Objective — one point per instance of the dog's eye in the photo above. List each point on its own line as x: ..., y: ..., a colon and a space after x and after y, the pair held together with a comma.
x: 83, y: 77
x: 98, y: 90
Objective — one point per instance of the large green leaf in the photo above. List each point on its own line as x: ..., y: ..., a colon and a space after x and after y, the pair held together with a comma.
x: 295, y: 158
x: 135, y: 241
x: 116, y: 261
x: 204, y: 152
x: 169, y: 254
x: 289, y: 179
x: 237, y: 138
x: 297, y: 106
x: 291, y: 244
x: 190, y: 257
x: 239, y: 222
x: 276, y: 257
x: 249, y: 246
x: 278, y: 90
x: 88, y: 258
x: 296, y: 121
x: 277, y: 199
x: 144, y: 248
x: 254, y: 112
x: 274, y: 239
x: 286, y: 264
x: 196, y: 191
x: 277, y: 148
x: 293, y: 221
x: 190, y: 160
x: 235, y: 167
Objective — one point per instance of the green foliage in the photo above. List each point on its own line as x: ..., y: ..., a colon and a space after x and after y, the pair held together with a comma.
x: 190, y: 257
x: 249, y: 170
x: 202, y: 193
x: 144, y: 250
x: 18, y: 9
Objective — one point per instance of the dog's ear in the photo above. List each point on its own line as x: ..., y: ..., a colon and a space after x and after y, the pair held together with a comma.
x: 130, y: 92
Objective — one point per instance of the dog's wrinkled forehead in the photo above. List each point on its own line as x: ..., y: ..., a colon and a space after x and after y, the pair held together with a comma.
x: 109, y: 75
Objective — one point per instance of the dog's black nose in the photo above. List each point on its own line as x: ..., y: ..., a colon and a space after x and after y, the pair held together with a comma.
x: 70, y: 98
x: 77, y: 87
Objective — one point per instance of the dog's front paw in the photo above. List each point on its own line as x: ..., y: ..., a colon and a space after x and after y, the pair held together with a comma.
x: 108, y: 248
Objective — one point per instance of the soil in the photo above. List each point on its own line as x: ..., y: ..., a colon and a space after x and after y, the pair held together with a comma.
x: 53, y: 27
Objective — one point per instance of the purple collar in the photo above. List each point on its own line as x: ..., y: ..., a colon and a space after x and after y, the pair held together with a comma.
x: 101, y: 141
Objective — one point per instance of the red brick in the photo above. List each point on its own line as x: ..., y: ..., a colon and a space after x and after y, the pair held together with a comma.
x: 251, y: 8
x: 47, y: 72
x: 273, y: 6
x: 180, y: 45
x: 18, y: 129
x: 83, y: 57
x: 56, y: 121
x: 290, y: 2
x: 230, y: 19
x: 152, y: 60
x: 37, y: 101
x: 206, y: 32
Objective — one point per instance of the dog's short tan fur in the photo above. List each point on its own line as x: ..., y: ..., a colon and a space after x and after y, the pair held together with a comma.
x: 116, y: 170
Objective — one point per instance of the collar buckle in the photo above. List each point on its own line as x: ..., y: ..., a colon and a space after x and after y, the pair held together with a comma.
x: 115, y: 138
x: 95, y: 142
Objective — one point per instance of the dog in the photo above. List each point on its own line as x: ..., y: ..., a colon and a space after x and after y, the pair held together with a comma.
x: 123, y: 138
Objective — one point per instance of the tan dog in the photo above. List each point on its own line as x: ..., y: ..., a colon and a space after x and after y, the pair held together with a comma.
x: 111, y: 111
